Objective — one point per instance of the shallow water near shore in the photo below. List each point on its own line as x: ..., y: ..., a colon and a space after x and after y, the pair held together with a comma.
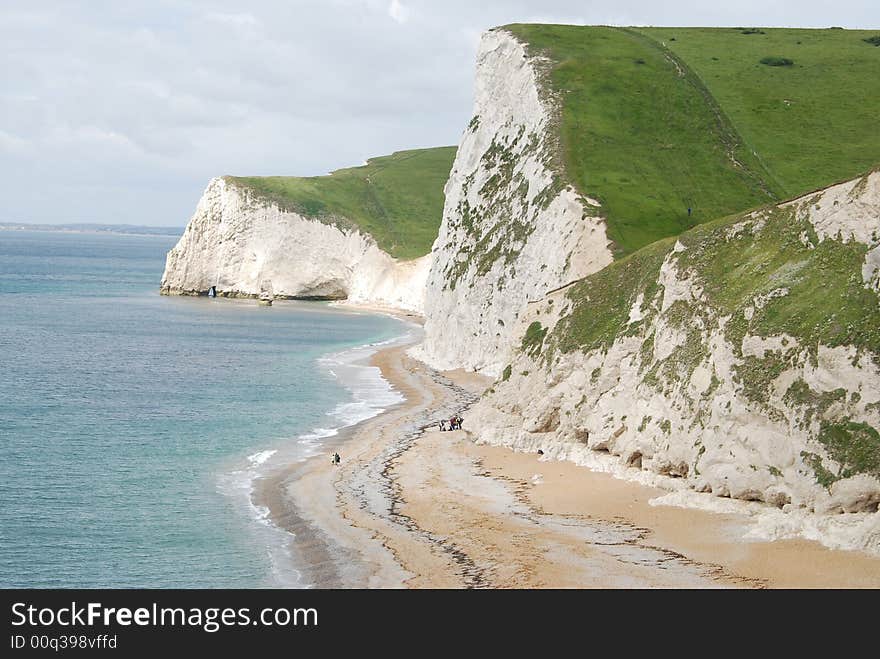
x: 133, y: 425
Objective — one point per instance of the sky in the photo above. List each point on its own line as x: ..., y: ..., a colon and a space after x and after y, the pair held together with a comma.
x: 122, y: 111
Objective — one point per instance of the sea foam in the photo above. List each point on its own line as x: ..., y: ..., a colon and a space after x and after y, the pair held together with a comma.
x: 371, y: 394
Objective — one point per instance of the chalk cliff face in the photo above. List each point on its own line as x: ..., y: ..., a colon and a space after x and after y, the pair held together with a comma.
x: 742, y: 358
x: 242, y: 244
x: 512, y: 229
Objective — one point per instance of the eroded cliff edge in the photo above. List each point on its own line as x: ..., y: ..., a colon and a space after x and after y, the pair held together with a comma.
x: 742, y: 357
x: 242, y: 243
x: 513, y: 228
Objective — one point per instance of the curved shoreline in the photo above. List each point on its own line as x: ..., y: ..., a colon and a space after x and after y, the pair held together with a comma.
x: 302, y: 498
x: 410, y: 507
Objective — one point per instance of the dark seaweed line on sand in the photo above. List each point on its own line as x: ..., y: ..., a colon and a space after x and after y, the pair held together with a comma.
x: 473, y: 576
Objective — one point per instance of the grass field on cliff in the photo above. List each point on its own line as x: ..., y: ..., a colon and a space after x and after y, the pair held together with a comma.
x: 655, y: 121
x: 397, y: 199
x: 811, y: 123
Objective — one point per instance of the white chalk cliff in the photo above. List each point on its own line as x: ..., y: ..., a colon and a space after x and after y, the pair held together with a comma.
x: 239, y: 242
x: 512, y: 228
x: 715, y: 399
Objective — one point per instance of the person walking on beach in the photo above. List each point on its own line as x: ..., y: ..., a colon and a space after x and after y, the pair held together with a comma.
x: 336, y: 459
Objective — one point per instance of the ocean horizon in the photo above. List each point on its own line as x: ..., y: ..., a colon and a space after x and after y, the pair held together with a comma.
x: 134, y: 425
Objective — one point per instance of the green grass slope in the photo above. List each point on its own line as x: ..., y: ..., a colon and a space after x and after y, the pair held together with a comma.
x: 397, y: 199
x: 811, y: 123
x: 642, y: 131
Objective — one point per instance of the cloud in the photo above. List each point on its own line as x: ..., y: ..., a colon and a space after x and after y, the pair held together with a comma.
x: 238, y: 20
x: 12, y: 143
x: 398, y: 12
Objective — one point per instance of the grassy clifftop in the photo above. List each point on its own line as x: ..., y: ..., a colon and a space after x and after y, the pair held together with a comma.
x: 812, y: 122
x: 655, y: 121
x: 397, y: 199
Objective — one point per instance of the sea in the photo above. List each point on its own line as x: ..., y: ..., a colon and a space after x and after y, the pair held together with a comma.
x: 133, y: 425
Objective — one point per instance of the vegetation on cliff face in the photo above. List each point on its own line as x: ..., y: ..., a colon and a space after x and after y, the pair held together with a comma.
x: 766, y: 275
x: 602, y: 301
x: 533, y: 340
x: 763, y: 278
x: 656, y: 121
x: 807, y: 289
x: 854, y: 446
x: 397, y: 199
x: 504, y: 194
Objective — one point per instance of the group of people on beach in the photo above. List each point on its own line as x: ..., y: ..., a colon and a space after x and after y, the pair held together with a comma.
x: 453, y: 423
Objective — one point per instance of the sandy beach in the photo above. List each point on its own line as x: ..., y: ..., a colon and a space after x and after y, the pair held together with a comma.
x: 412, y: 507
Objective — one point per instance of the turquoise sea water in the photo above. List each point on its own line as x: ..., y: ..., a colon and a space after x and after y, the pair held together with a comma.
x: 131, y: 423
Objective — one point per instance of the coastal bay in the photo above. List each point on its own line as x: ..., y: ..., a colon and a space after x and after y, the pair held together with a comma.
x: 133, y: 424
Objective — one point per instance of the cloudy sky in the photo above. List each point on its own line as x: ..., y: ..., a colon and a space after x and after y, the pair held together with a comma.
x: 121, y: 111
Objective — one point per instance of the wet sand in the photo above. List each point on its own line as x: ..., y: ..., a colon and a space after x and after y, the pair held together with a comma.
x: 414, y: 507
